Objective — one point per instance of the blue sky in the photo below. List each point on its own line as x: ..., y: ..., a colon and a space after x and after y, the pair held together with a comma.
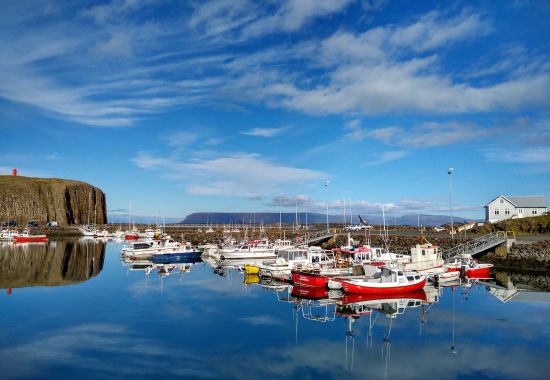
x: 193, y: 106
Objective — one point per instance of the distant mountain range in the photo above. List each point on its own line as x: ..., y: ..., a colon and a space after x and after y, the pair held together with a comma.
x: 312, y: 218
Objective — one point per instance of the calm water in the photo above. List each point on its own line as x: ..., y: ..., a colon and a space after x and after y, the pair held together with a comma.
x: 75, y: 311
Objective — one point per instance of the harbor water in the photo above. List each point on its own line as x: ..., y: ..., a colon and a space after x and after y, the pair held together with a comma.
x: 74, y: 310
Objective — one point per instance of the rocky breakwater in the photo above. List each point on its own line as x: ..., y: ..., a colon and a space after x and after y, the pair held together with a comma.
x: 50, y: 199
x: 535, y: 256
x: 52, y: 264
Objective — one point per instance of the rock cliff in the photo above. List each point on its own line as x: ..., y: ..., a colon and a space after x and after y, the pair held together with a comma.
x: 50, y: 199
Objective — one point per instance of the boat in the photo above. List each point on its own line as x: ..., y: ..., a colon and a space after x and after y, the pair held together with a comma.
x: 159, y: 247
x: 467, y: 266
x: 446, y: 277
x: 301, y: 259
x: 387, y: 281
x: 251, y: 250
x: 251, y: 269
x: 26, y: 237
x: 8, y: 235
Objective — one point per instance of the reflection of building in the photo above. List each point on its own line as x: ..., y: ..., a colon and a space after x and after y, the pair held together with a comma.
x: 507, y: 207
x: 50, y: 264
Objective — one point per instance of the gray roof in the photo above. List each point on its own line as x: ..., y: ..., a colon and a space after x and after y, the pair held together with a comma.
x: 529, y: 201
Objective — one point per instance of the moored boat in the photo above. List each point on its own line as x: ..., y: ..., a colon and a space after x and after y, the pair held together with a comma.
x: 26, y: 237
x: 388, y: 281
x: 467, y: 266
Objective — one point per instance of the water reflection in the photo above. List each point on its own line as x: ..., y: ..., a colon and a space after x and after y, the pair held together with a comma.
x: 50, y: 264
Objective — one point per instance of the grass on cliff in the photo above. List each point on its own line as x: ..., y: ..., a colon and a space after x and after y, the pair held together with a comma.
x: 532, y: 225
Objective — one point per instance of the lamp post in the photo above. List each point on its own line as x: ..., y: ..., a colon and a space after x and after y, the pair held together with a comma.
x: 326, y: 195
x: 280, y: 209
x: 450, y: 172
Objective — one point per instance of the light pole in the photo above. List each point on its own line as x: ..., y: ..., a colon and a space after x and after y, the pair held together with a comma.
x: 326, y: 195
x: 450, y: 172
x: 280, y: 209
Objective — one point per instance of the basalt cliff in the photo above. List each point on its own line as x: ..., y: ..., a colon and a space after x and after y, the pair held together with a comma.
x: 50, y: 199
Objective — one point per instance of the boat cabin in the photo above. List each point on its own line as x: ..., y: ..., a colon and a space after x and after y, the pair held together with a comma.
x: 425, y: 252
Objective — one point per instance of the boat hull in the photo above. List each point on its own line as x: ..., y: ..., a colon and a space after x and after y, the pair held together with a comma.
x: 31, y: 239
x: 381, y: 288
x: 351, y: 298
x: 310, y: 279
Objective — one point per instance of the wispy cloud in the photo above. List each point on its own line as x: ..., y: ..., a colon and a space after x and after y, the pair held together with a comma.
x: 264, y: 132
x: 534, y: 155
x: 240, y: 174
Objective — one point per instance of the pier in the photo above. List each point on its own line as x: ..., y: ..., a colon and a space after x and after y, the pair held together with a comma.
x: 481, y: 244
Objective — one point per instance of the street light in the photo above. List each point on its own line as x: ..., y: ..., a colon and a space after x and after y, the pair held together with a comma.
x: 326, y: 194
x: 450, y: 172
x: 280, y: 209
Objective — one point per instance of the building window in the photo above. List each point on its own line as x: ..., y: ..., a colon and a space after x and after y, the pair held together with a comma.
x: 534, y: 211
x: 506, y: 211
x: 501, y: 200
x: 520, y: 211
x: 497, y: 211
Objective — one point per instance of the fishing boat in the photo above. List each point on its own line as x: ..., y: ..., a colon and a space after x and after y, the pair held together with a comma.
x: 387, y: 281
x: 159, y: 247
x: 26, y: 237
x: 468, y: 267
x: 8, y: 235
x: 301, y: 259
x: 251, y: 250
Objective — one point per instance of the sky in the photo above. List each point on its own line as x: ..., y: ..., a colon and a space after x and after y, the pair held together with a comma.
x: 240, y: 105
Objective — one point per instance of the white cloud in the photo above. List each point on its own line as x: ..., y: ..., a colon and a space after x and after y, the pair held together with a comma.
x: 264, y: 132
x: 293, y: 15
x: 241, y: 175
x: 533, y: 155
x: 385, y: 157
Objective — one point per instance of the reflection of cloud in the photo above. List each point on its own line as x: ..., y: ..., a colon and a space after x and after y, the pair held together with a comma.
x: 262, y: 320
x: 100, y: 348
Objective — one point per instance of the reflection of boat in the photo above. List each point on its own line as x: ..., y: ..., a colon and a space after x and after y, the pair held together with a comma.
x: 309, y: 292
x: 469, y: 267
x: 374, y: 299
x: 26, y: 237
x: 176, y: 258
x: 387, y: 281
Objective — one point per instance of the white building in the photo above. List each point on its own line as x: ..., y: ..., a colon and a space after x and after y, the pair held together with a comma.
x: 506, y: 207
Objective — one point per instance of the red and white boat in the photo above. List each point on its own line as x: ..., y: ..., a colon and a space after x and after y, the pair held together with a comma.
x: 26, y: 237
x: 469, y: 267
x: 387, y: 281
x: 310, y: 279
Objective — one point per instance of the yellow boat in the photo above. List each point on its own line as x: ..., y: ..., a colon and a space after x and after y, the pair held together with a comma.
x: 251, y: 269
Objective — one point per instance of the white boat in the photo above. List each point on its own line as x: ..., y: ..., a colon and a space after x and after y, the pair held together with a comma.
x: 156, y: 247
x: 251, y: 250
x: 8, y: 235
x: 297, y: 259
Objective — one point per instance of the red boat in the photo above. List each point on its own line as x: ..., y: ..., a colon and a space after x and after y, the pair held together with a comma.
x: 26, y: 237
x: 309, y: 279
x: 470, y: 267
x: 388, y: 281
x: 131, y: 237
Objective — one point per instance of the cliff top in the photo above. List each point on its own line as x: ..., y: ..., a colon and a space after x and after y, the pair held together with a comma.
x: 9, y: 179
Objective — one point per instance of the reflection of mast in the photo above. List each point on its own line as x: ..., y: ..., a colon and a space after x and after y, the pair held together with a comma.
x: 453, y: 348
x: 350, y: 338
x: 386, y: 347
